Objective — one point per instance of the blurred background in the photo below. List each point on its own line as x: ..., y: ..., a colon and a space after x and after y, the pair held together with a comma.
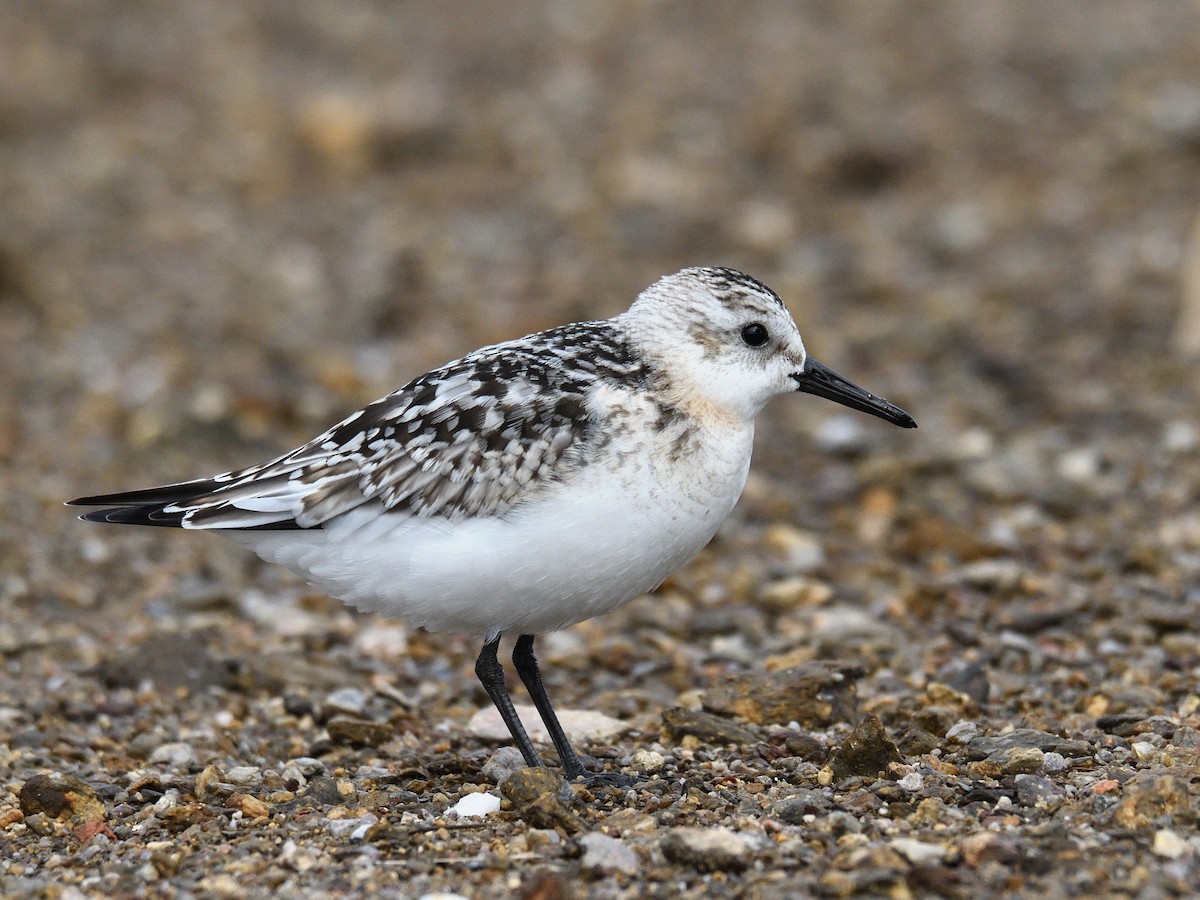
x: 225, y: 226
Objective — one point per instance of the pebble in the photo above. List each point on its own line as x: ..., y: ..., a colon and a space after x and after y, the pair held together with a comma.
x: 917, y: 852
x: 329, y: 792
x: 796, y: 552
x: 474, y: 805
x: 346, y: 701
x: 962, y: 733
x: 502, y: 764
x: 1168, y: 844
x: 647, y: 760
x: 359, y: 732
x: 176, y: 755
x: 244, y: 776
x: 912, y: 782
x: 1038, y: 791
x: 356, y: 828
x: 867, y: 750
x: 1054, y: 762
x: 708, y: 849
x: 604, y: 855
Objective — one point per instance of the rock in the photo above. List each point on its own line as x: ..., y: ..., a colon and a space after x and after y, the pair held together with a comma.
x: 60, y: 795
x: 919, y: 853
x: 815, y: 695
x: 805, y: 802
x: 177, y: 755
x: 472, y: 805
x: 983, y: 747
x: 346, y: 701
x: 543, y: 799
x: 708, y: 849
x: 706, y: 727
x: 1152, y: 796
x: 796, y: 552
x: 647, y: 760
x: 581, y: 725
x: 1010, y: 761
x: 251, y: 807
x: 355, y: 828
x: 866, y: 751
x: 604, y: 855
x: 244, y: 776
x: 1039, y: 792
x: 359, y: 732
x: 1168, y: 844
x: 912, y: 782
x: 502, y: 764
x: 329, y: 792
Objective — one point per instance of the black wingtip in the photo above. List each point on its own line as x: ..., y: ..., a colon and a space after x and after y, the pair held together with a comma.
x: 134, y: 515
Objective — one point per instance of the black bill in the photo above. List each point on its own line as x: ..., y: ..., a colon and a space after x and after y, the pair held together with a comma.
x: 824, y: 382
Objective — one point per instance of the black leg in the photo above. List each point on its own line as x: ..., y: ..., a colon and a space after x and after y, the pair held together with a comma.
x: 527, y: 668
x: 491, y: 676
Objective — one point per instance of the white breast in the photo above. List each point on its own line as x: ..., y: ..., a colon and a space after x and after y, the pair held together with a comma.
x: 614, y: 530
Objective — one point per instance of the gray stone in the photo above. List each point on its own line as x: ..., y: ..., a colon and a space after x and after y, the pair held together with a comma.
x: 708, y: 849
x: 604, y: 855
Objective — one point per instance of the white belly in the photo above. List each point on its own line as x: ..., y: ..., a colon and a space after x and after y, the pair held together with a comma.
x: 612, y: 532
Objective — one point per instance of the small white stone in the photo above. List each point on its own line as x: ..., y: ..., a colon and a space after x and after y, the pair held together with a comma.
x: 1079, y: 465
x: 962, y: 732
x: 1143, y: 750
x: 648, y: 760
x: 582, y: 725
x: 912, y: 782
x: 1180, y: 437
x: 244, y: 776
x: 1168, y: 844
x: 918, y: 852
x: 476, y: 805
x: 176, y: 754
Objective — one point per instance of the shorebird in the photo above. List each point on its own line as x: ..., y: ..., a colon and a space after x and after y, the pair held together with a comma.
x: 529, y: 485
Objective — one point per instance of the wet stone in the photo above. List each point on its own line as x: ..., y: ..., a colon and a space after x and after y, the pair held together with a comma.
x: 814, y: 695
x: 866, y: 751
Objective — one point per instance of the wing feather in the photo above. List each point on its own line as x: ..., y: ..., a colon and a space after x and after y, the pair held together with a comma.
x: 476, y: 437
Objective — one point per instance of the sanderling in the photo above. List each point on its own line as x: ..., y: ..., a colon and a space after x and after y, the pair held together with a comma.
x: 529, y: 485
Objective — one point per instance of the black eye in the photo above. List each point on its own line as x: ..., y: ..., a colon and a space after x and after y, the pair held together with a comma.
x: 755, y: 334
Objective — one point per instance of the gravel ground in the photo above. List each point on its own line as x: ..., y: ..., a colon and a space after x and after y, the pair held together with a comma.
x: 960, y: 661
